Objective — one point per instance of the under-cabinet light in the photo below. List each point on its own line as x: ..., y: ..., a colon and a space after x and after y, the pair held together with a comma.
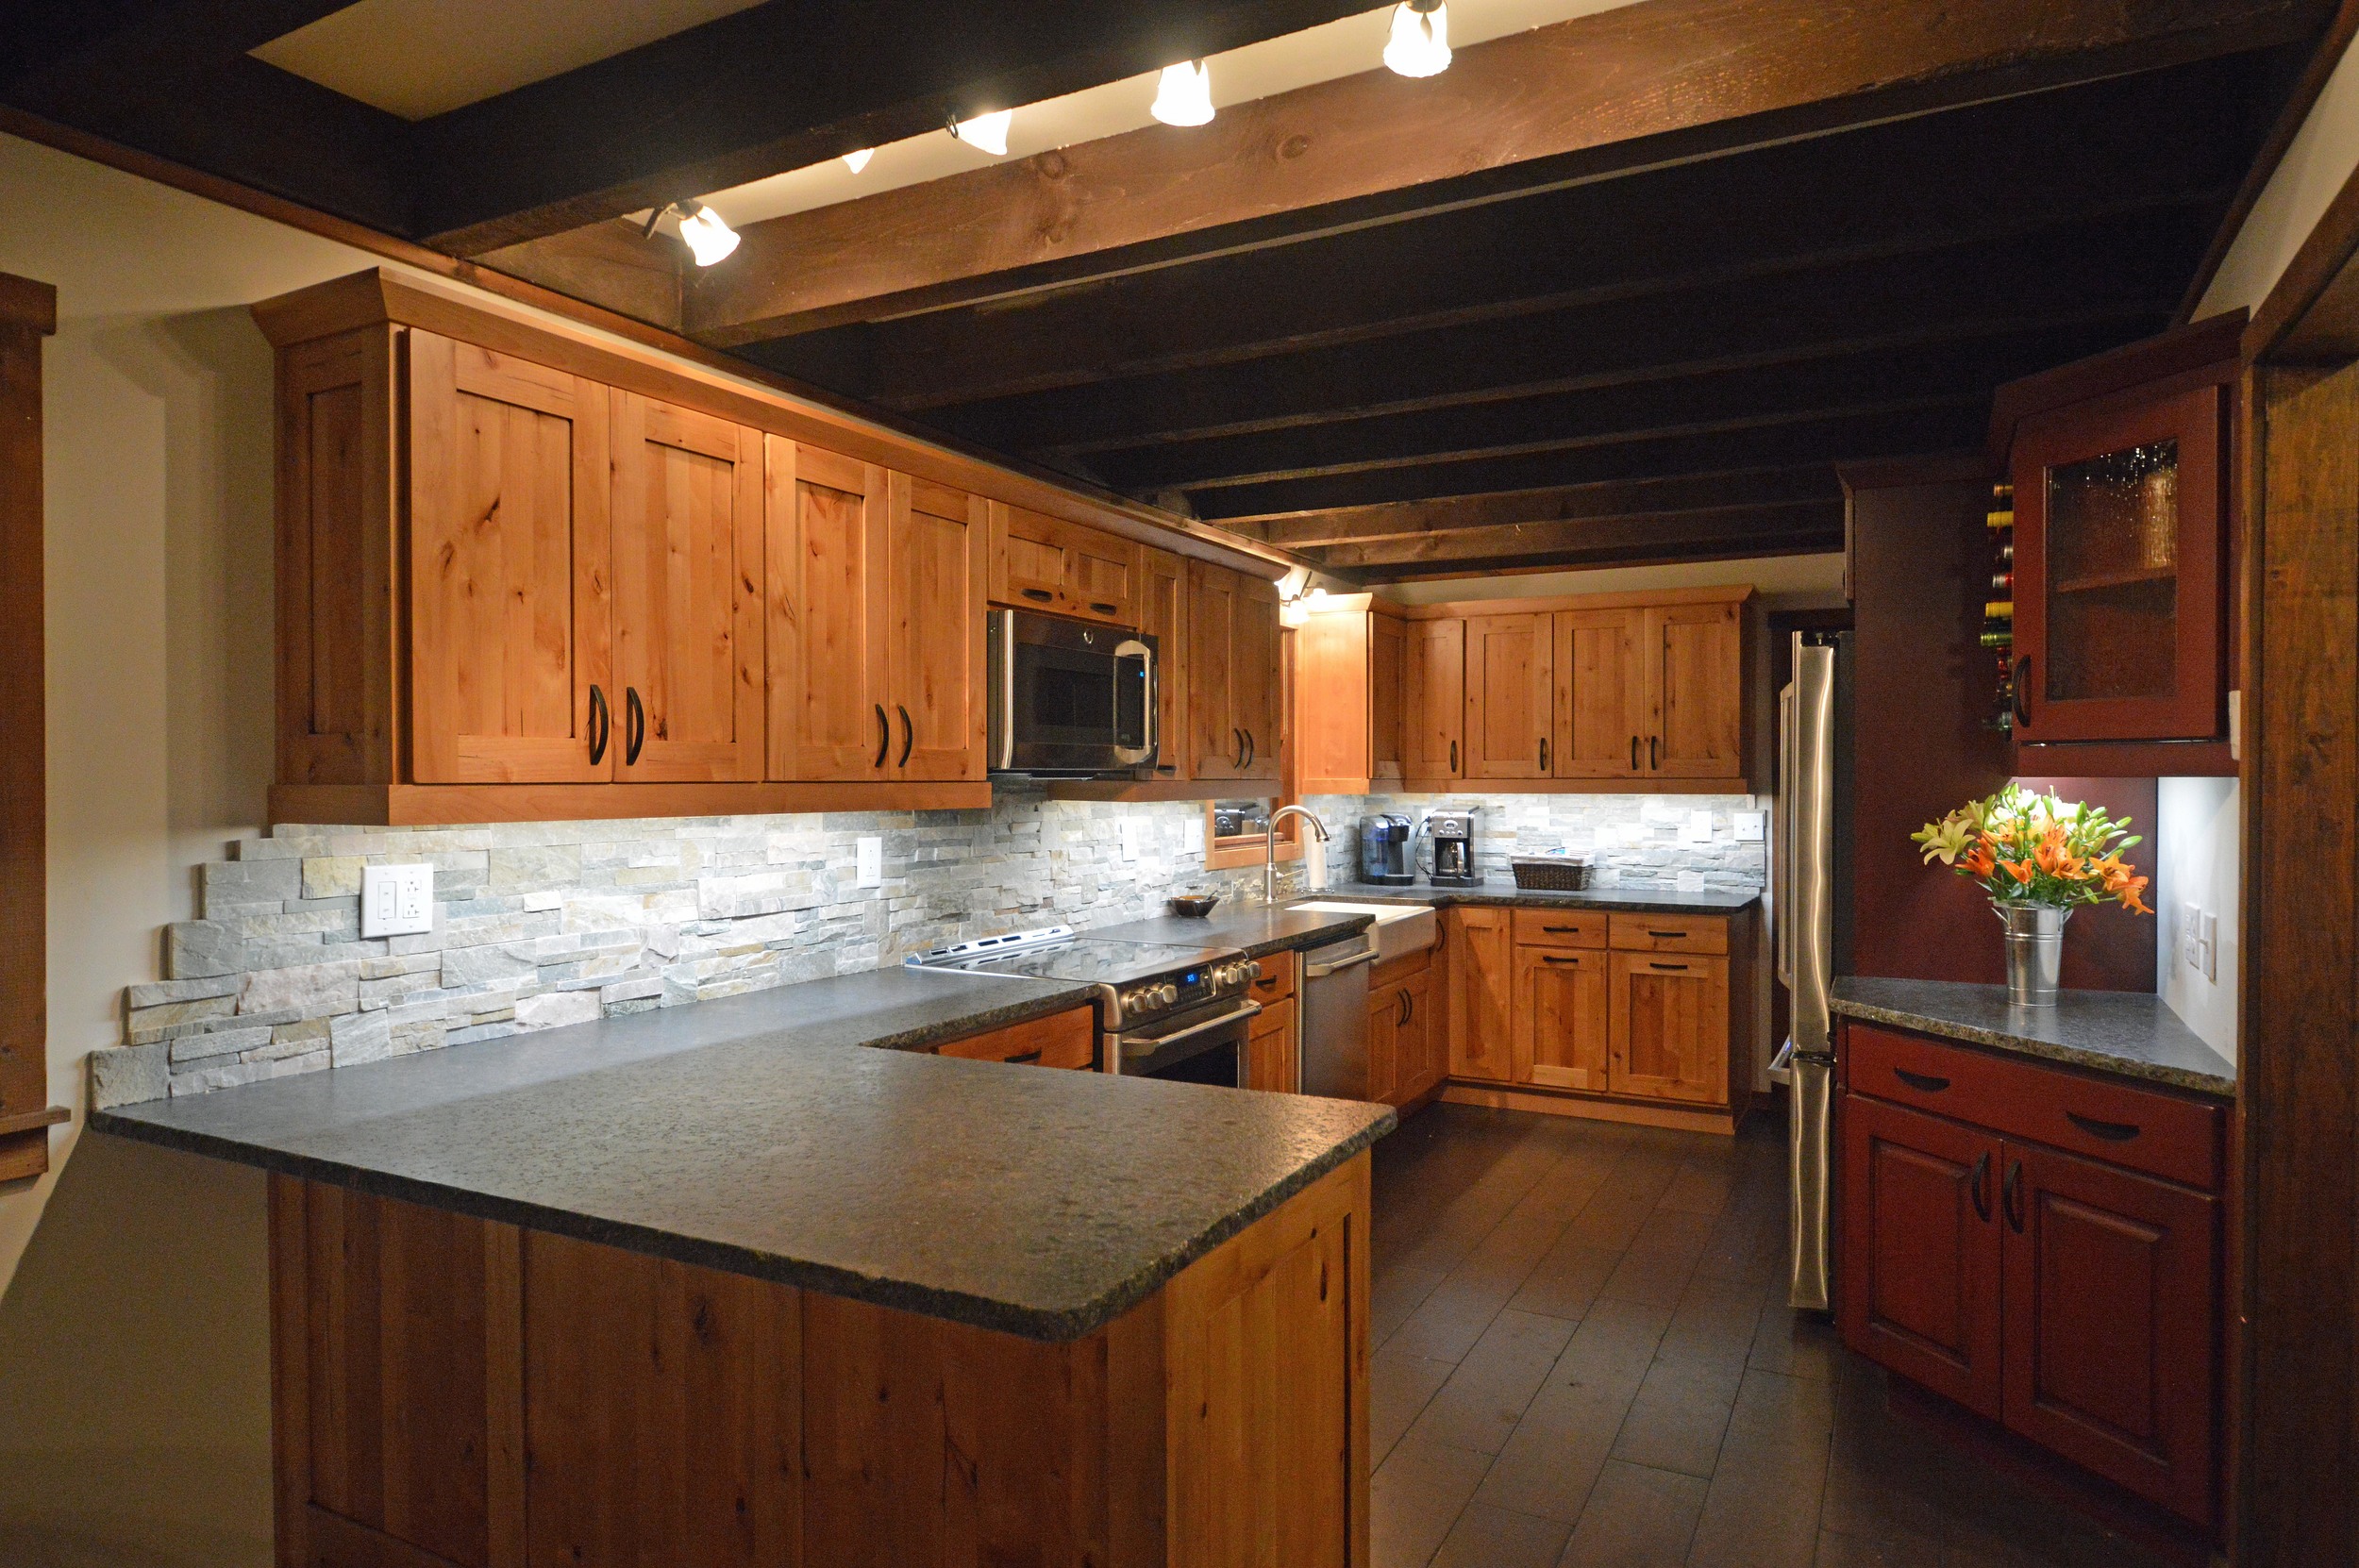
x: 986, y: 133
x: 858, y: 160
x: 1420, y: 41
x: 1184, y: 96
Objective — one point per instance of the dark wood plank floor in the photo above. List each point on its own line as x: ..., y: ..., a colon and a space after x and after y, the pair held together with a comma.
x: 1583, y: 1358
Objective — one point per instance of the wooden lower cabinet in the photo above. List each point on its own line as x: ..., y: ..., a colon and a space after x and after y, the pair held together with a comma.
x: 1669, y: 1026
x: 449, y: 1390
x: 1561, y: 1012
x: 1407, y: 1044
x: 1274, y: 1050
x: 2075, y: 1300
x: 1482, y: 986
x: 1066, y: 1039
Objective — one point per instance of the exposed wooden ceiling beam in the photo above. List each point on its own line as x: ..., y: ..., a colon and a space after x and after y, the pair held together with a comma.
x: 787, y: 84
x: 2002, y: 171
x: 1767, y: 486
x: 1809, y: 528
x: 1648, y: 83
x: 57, y: 55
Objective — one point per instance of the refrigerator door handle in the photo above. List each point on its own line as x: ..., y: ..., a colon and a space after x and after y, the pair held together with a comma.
x: 1781, y: 904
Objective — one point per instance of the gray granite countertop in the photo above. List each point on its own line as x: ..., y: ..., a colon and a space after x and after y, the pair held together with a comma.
x: 1501, y: 890
x: 760, y: 1135
x: 2129, y: 1034
x: 1258, y: 929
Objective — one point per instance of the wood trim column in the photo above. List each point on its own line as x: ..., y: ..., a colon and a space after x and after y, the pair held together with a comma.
x: 29, y: 313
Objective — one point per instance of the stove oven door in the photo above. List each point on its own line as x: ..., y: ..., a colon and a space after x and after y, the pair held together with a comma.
x: 1205, y: 1045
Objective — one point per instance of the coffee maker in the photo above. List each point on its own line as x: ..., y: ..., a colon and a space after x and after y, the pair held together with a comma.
x: 1385, y: 856
x: 1454, y: 849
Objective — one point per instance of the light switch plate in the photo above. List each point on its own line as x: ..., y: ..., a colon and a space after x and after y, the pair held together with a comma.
x: 2191, y: 936
x: 1192, y: 836
x: 396, y: 901
x: 1131, y: 836
x: 1752, y: 827
x: 1697, y: 828
x: 868, y: 862
x: 2211, y: 946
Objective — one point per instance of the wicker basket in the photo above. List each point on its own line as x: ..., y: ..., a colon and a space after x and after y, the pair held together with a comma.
x: 1551, y: 872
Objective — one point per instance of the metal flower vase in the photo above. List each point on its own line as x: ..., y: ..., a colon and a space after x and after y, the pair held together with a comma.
x: 2034, y: 952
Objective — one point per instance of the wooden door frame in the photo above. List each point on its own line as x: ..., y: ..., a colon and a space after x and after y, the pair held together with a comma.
x: 29, y: 313
x: 2293, y: 1372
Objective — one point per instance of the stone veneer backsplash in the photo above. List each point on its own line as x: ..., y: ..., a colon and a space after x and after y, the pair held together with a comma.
x: 538, y: 925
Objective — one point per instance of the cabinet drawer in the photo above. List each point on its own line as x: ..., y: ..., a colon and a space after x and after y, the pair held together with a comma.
x: 1398, y: 969
x: 1277, y: 981
x: 1060, y: 1040
x: 1640, y: 933
x: 1560, y: 928
x: 2140, y: 1128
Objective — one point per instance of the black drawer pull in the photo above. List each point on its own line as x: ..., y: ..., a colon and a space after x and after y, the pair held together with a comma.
x: 1551, y: 957
x: 1105, y: 608
x: 1023, y: 1059
x: 1670, y: 936
x: 1561, y: 931
x: 1653, y: 964
x: 2113, y: 1132
x: 1925, y: 1082
x: 1041, y: 593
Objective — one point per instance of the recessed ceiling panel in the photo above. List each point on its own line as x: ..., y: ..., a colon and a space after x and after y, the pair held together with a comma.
x: 421, y: 57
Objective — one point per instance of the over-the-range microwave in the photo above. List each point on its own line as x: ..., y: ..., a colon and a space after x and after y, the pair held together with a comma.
x: 1070, y: 699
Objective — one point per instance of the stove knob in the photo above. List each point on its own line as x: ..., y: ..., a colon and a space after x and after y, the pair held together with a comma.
x: 1166, y: 993
x: 1129, y: 1002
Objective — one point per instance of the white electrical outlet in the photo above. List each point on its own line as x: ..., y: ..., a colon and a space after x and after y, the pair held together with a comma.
x: 1133, y: 833
x: 1192, y: 835
x: 2190, y: 935
x: 1752, y: 827
x: 868, y: 862
x: 396, y: 901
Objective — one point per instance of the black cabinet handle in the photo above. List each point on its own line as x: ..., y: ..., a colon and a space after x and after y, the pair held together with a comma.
x: 601, y: 725
x: 1923, y: 1082
x: 1544, y: 754
x: 1028, y: 1059
x: 634, y: 726
x: 909, y: 734
x: 1653, y: 761
x: 1551, y: 957
x: 1252, y: 748
x: 1238, y: 736
x: 2113, y: 1132
x: 2011, y: 1195
x: 1982, y: 1175
x: 1403, y: 1016
x: 1105, y: 608
x: 1454, y: 757
x: 2023, y: 692
x: 1041, y: 593
x: 1633, y: 754
x: 884, y: 736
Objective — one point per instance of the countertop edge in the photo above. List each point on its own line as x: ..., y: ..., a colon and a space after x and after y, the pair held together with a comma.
x: 2042, y: 1050
x: 1635, y: 900
x: 1041, y: 1324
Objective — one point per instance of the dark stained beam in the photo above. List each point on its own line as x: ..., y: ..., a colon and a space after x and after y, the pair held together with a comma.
x: 1794, y: 529
x: 1644, y: 84
x: 786, y: 84
x: 1863, y: 436
x: 61, y: 56
x: 1407, y: 519
x: 1992, y: 171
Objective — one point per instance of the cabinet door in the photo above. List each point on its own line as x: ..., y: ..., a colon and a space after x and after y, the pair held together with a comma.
x: 1164, y: 615
x: 825, y: 516
x: 2110, y: 1334
x: 1383, y: 1042
x: 510, y: 620
x: 1046, y: 564
x: 1921, y: 1249
x: 1435, y: 700
x: 1334, y: 663
x: 1695, y: 691
x: 1388, y: 643
x: 688, y: 595
x: 1510, y: 696
x: 1670, y: 1027
x: 1412, y: 1038
x: 2118, y: 609
x: 1600, y: 694
x: 1272, y: 1058
x: 935, y: 566
x: 1559, y: 1018
x: 1254, y: 671
x: 1215, y: 737
x: 1482, y: 988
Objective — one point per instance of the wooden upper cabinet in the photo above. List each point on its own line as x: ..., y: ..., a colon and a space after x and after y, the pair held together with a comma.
x: 1559, y: 1018
x: 510, y: 615
x: 1233, y: 674
x: 934, y: 565
x: 1046, y: 563
x: 1347, y: 721
x: 1164, y: 615
x: 826, y: 638
x: 687, y: 520
x: 1434, y: 700
x: 1600, y: 694
x: 1694, y: 691
x: 1510, y: 695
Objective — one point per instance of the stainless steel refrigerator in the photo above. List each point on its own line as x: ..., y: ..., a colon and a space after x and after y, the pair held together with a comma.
x: 1811, y: 906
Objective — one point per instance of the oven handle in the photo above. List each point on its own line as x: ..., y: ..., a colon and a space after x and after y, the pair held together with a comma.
x: 1142, y: 1045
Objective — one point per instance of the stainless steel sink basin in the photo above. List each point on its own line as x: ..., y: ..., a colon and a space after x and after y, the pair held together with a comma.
x: 1400, y: 928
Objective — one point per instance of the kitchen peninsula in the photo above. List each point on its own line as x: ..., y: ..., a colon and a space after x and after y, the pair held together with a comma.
x: 729, y: 1274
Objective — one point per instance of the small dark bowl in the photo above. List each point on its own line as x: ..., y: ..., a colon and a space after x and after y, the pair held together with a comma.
x: 1195, y: 906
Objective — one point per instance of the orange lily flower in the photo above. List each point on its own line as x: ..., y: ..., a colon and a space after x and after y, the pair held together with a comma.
x: 2022, y: 871
x: 1978, y: 861
x: 2053, y: 858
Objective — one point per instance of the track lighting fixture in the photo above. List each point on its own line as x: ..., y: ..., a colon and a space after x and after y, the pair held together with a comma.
x: 707, y: 238
x: 1184, y: 96
x: 1420, y: 41
x: 986, y: 133
x: 858, y: 160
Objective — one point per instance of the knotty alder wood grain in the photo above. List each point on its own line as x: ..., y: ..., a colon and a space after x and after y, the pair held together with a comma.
x: 1601, y: 85
x: 452, y: 1391
x: 27, y: 314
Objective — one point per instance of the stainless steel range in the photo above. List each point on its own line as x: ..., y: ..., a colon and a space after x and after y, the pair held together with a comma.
x: 1163, y: 1011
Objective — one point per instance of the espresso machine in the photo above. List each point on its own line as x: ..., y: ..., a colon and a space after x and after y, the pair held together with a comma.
x: 1453, y: 834
x: 1387, y: 853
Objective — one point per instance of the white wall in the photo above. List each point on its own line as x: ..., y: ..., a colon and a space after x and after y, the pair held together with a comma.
x: 2198, y: 824
x: 2315, y: 166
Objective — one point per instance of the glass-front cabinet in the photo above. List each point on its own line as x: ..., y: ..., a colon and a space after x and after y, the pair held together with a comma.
x: 2119, y: 576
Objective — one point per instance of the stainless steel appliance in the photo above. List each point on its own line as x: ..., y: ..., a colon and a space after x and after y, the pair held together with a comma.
x: 1069, y: 699
x: 1335, y: 1017
x: 1164, y: 1011
x: 1811, y: 909
x: 1386, y: 857
x: 1453, y: 836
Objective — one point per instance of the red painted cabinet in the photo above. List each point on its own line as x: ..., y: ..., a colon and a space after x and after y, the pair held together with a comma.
x: 2075, y: 1299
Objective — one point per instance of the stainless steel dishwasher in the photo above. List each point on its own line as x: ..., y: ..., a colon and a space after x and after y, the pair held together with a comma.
x: 1335, y: 1017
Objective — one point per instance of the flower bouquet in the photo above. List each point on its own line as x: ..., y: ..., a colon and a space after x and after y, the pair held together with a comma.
x: 2039, y: 859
